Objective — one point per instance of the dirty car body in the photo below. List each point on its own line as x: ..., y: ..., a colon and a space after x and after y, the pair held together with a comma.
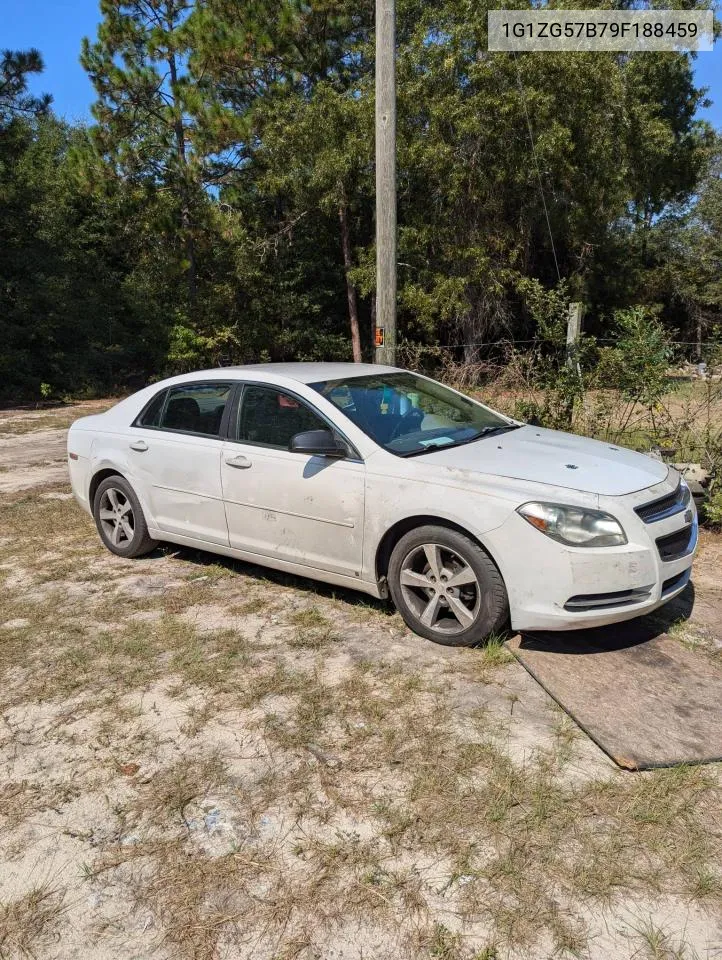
x: 376, y: 479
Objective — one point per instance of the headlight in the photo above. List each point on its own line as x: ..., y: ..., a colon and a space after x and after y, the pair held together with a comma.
x: 686, y: 493
x: 574, y: 526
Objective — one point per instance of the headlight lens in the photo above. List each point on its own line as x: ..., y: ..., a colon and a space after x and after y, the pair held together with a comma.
x: 574, y: 526
x: 686, y: 493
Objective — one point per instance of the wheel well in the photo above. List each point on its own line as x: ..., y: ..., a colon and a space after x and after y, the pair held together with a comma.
x: 395, y: 533
x: 97, y: 479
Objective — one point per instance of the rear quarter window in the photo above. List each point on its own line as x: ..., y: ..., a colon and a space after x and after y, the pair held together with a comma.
x: 150, y: 417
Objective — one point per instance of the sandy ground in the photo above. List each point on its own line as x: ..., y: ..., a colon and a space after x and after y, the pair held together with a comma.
x: 202, y: 759
x: 32, y: 445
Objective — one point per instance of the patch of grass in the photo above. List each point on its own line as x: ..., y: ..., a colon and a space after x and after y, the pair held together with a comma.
x: 279, y: 681
x: 28, y: 920
x: 15, y: 423
x: 198, y: 717
x: 309, y: 618
x: 442, y: 944
x: 21, y: 800
x: 199, y: 901
x: 163, y: 800
x: 313, y: 630
x: 494, y: 652
x: 656, y: 943
x: 212, y: 659
x: 19, y: 425
x: 249, y: 607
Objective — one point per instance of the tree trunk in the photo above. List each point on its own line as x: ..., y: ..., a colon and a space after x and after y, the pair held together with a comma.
x: 180, y: 139
x: 350, y: 288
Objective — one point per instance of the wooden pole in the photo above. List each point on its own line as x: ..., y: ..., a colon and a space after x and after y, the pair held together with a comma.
x: 574, y: 332
x: 385, y: 332
x: 574, y: 329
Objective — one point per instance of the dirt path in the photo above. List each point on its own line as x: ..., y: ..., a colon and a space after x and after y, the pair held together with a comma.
x: 32, y: 459
x: 32, y: 445
x: 204, y: 759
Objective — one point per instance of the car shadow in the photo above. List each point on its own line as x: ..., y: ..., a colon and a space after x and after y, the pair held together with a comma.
x: 272, y: 577
x: 616, y: 636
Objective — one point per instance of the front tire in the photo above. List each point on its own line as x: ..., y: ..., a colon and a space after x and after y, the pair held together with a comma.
x: 119, y: 519
x: 446, y: 587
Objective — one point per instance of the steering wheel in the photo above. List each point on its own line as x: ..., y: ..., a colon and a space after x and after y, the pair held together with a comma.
x: 409, y: 420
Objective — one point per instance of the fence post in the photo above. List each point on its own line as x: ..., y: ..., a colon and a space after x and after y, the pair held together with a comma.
x: 574, y: 329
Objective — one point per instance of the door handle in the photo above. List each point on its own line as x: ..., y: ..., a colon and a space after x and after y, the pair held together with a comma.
x: 140, y: 445
x: 240, y: 462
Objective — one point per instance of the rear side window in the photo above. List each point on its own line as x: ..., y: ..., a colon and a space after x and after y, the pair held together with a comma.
x: 150, y: 417
x: 196, y: 408
x: 270, y: 418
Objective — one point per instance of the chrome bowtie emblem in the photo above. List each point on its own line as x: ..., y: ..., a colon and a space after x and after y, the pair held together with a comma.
x: 571, y: 466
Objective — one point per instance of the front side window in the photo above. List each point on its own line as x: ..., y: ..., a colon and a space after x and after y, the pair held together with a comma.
x: 270, y: 418
x: 196, y: 408
x: 409, y: 415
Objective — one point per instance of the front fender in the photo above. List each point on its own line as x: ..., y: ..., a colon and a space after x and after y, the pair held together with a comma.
x: 393, y: 501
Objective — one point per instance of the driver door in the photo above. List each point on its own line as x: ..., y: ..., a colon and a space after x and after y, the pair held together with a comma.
x: 290, y: 506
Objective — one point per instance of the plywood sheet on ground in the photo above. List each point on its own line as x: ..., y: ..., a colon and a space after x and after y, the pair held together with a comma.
x: 646, y: 700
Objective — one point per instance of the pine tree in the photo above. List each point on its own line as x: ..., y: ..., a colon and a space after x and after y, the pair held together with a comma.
x: 15, y: 101
x: 144, y: 112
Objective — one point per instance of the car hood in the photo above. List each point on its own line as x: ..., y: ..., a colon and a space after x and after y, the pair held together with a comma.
x: 551, y: 457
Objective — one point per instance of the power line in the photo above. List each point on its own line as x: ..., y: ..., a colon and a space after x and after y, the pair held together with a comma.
x: 522, y: 92
x: 514, y: 343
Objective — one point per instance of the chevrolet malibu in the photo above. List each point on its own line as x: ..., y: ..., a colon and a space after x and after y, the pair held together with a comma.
x: 390, y: 483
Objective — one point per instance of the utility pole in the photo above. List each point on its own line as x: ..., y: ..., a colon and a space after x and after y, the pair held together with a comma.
x: 385, y: 331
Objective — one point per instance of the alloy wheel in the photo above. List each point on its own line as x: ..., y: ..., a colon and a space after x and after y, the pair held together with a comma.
x: 116, y: 517
x: 440, y: 588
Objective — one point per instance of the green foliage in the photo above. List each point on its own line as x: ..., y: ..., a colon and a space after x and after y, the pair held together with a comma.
x: 221, y: 207
x: 70, y: 314
x: 638, y: 363
x: 713, y: 508
x: 15, y: 101
x: 635, y: 366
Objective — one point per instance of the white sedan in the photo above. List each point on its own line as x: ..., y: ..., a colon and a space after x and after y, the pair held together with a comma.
x: 388, y: 482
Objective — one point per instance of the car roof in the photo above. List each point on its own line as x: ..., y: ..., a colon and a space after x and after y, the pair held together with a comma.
x: 301, y: 372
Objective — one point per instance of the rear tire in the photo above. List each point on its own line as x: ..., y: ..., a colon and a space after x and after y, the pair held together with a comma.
x: 119, y: 519
x: 446, y: 587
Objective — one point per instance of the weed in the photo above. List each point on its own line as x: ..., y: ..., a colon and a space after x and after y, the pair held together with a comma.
x: 658, y: 944
x: 26, y: 921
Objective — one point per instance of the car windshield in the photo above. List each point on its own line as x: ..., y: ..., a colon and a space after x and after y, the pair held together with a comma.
x: 409, y: 415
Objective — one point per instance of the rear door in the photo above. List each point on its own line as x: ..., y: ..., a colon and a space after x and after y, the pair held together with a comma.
x: 290, y: 506
x: 175, y: 452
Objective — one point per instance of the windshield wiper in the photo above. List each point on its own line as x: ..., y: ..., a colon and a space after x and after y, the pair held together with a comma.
x: 491, y: 431
x: 484, y: 432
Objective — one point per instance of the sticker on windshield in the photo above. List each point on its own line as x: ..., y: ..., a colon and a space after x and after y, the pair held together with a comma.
x: 436, y: 440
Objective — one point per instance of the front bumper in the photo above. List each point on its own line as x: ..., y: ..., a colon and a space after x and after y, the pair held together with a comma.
x: 553, y: 587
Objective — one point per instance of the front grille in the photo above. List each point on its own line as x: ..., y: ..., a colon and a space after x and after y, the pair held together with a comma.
x: 600, y: 601
x: 664, y: 507
x: 677, y: 544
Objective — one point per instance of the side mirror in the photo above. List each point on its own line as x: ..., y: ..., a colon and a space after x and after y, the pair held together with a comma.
x: 317, y: 443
